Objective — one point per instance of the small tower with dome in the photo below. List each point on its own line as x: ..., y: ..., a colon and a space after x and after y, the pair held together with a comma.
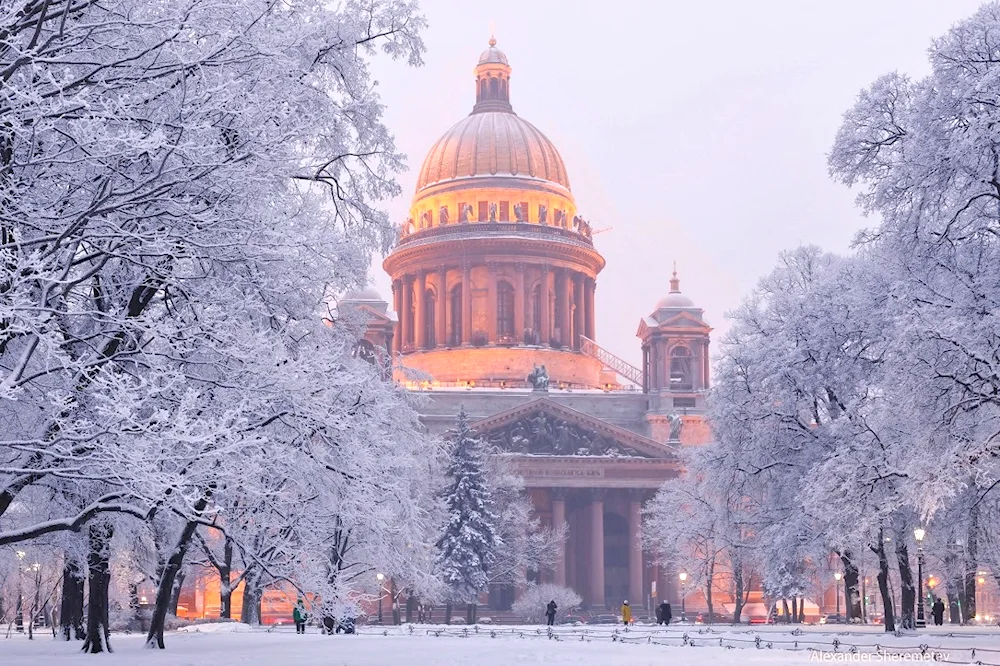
x: 675, y: 362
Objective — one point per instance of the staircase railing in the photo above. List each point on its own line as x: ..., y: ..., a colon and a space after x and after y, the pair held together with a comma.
x: 624, y: 369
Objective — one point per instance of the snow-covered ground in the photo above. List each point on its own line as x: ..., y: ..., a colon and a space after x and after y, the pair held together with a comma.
x: 224, y: 645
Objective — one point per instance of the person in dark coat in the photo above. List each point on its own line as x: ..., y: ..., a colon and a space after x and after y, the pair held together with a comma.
x: 550, y: 612
x: 938, y: 610
x: 299, y: 617
x: 663, y: 614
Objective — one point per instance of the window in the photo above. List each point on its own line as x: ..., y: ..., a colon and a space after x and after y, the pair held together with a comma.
x: 680, y: 368
x: 503, y: 90
x: 456, y: 315
x: 494, y: 88
x: 504, y: 211
x: 524, y: 210
x: 505, y: 312
x: 482, y: 90
x: 484, y: 211
x: 684, y: 403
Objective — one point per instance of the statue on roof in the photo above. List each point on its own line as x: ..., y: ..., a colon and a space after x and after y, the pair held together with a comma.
x: 443, y: 215
x: 543, y: 214
x: 466, y: 214
x: 519, y: 213
x: 493, y: 211
x: 539, y: 379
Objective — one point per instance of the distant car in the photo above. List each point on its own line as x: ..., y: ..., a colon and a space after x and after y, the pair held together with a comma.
x: 573, y: 619
x: 645, y: 619
x: 603, y: 619
x: 458, y: 620
x: 485, y: 620
x: 833, y: 618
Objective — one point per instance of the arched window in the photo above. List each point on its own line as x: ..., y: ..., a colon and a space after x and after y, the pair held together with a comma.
x: 456, y: 315
x: 494, y: 88
x: 482, y: 90
x: 505, y: 312
x: 680, y: 368
x: 430, y: 312
x: 503, y: 90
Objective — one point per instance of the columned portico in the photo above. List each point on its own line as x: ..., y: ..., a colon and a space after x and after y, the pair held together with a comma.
x: 635, y: 590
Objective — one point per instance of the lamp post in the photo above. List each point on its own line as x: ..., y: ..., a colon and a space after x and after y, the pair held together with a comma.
x: 837, y: 576
x: 919, y: 534
x: 380, y: 577
x: 683, y: 576
x: 19, y: 608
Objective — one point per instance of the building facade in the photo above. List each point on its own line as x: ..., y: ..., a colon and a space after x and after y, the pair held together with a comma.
x: 494, y: 279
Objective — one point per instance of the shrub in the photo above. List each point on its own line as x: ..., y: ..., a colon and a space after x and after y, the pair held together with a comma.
x: 531, y: 604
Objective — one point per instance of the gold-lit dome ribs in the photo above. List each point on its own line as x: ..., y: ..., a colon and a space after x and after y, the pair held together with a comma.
x: 493, y: 144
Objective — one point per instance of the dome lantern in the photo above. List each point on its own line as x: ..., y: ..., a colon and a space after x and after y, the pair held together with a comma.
x: 492, y: 81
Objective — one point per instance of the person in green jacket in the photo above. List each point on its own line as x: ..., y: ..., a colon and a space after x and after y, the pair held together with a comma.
x: 300, y: 616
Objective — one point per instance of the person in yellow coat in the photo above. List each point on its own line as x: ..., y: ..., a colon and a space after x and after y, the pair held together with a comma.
x: 626, y: 613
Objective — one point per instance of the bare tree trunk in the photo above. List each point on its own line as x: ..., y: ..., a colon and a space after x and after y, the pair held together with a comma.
x: 784, y: 608
x: 175, y: 592
x: 740, y: 596
x: 795, y: 608
x: 71, y: 606
x: 447, y: 613
x: 253, y: 594
x: 99, y: 569
x: 906, y: 586
x: 971, y: 564
x: 226, y: 581
x: 708, y: 588
x: 883, y: 584
x: 851, y: 595
x: 164, y: 591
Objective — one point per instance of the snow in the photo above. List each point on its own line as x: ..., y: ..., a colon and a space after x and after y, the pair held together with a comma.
x: 641, y: 646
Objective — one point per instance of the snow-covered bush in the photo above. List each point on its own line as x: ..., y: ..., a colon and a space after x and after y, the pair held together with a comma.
x: 533, y: 601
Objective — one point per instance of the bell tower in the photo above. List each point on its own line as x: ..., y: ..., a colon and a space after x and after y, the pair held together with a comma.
x: 675, y: 364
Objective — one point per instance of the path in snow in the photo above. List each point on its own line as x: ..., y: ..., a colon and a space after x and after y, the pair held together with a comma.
x: 226, y: 645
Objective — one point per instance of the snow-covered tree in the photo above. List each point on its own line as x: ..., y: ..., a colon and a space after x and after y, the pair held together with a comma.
x: 467, y: 549
x: 532, y: 603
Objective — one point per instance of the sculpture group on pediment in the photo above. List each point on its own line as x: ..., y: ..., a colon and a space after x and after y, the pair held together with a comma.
x: 539, y: 379
x: 543, y: 434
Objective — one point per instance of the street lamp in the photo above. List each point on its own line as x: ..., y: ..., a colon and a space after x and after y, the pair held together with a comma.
x: 919, y: 534
x: 683, y: 576
x: 380, y: 577
x: 19, y: 610
x: 837, y: 576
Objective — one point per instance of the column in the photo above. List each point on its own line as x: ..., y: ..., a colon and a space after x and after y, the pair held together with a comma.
x: 545, y: 328
x: 558, y: 520
x: 706, y: 365
x: 519, y: 301
x: 635, y: 594
x: 597, y: 549
x: 419, y: 321
x: 577, y: 310
x: 442, y: 307
x: 491, y: 305
x: 407, y: 312
x: 566, y: 310
x: 591, y: 315
x: 397, y: 305
x: 466, y: 306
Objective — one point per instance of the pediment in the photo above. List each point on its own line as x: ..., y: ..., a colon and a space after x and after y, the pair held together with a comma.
x: 544, y: 427
x: 683, y: 320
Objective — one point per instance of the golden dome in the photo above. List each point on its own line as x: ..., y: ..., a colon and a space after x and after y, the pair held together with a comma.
x: 493, y: 143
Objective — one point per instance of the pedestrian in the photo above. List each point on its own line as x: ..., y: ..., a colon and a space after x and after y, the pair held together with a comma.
x: 663, y: 613
x: 550, y: 612
x: 299, y: 616
x: 626, y: 613
x: 938, y: 610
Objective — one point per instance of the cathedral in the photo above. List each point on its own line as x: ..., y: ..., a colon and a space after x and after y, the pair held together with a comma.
x: 494, y: 307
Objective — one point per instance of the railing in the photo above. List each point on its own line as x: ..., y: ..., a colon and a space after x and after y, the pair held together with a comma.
x: 496, y: 228
x: 625, y: 369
